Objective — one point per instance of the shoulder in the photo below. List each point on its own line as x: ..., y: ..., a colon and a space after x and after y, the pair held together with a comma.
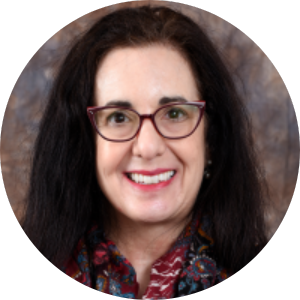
x: 78, y: 266
x: 201, y: 270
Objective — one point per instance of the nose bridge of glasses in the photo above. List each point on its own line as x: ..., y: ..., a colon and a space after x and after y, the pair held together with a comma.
x: 147, y: 116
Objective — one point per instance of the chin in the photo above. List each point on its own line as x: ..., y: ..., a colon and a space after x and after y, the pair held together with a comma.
x: 153, y: 217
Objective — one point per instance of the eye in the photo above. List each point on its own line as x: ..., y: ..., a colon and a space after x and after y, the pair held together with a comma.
x: 175, y: 113
x: 117, y: 117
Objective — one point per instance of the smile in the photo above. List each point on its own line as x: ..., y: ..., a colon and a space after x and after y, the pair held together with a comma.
x: 148, y: 180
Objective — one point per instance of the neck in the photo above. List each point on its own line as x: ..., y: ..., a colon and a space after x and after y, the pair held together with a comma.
x: 141, y: 241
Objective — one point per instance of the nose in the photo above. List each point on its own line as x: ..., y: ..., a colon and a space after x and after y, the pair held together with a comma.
x: 148, y: 143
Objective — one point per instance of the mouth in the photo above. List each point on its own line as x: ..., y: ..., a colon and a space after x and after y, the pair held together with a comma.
x: 150, y: 179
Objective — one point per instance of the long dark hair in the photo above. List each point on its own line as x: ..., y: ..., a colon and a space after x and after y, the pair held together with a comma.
x: 64, y: 197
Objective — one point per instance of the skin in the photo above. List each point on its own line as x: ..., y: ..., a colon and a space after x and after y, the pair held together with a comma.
x: 148, y: 221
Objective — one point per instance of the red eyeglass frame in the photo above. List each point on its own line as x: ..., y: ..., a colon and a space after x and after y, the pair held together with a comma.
x: 93, y: 109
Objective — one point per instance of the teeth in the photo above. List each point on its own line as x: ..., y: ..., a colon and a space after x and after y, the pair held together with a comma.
x: 143, y: 179
x: 161, y: 177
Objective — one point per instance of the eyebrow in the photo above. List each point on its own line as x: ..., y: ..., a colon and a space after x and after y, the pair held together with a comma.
x: 167, y: 100
x: 121, y: 103
x: 162, y: 101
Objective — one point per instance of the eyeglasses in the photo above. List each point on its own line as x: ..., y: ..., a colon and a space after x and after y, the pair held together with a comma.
x: 172, y: 121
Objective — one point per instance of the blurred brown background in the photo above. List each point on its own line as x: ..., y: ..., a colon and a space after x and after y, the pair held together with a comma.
x: 266, y: 97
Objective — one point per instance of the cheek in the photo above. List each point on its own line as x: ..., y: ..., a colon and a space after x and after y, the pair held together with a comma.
x: 194, y: 149
x: 196, y: 160
x: 109, y: 159
x: 101, y: 158
x: 193, y: 152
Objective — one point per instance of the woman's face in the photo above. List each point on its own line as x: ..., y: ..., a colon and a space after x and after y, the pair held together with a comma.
x: 142, y: 77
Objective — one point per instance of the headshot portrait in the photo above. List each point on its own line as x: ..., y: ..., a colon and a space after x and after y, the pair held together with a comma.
x: 149, y: 150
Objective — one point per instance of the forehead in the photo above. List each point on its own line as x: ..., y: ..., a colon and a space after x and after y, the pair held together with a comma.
x: 144, y: 75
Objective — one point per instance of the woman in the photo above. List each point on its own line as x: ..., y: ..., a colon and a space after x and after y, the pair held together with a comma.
x: 156, y: 193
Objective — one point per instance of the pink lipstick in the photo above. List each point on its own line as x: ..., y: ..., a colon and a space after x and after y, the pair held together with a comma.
x: 150, y: 180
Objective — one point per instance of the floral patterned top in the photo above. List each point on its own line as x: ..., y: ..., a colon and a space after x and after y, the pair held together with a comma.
x: 188, y: 267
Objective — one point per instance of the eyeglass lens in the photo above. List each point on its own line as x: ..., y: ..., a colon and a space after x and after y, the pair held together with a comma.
x: 172, y: 121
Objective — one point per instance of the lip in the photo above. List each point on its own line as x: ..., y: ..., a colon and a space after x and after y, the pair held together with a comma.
x: 150, y: 187
x: 148, y: 172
